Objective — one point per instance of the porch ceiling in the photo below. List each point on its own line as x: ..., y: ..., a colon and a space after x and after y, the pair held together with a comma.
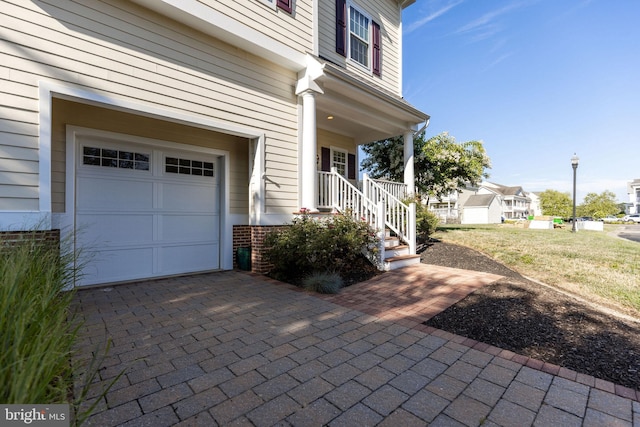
x: 361, y: 111
x: 360, y: 122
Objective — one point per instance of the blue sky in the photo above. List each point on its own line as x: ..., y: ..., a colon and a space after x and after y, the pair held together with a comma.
x: 536, y: 81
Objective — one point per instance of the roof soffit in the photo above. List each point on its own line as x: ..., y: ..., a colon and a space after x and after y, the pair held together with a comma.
x: 406, y: 3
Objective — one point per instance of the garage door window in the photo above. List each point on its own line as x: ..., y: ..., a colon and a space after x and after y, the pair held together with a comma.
x: 95, y: 156
x: 188, y: 167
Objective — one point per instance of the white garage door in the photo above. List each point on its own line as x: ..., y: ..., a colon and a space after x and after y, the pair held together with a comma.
x: 143, y: 211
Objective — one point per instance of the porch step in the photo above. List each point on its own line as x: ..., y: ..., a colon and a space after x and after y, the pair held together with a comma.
x: 394, y: 251
x: 396, y: 262
x: 390, y: 242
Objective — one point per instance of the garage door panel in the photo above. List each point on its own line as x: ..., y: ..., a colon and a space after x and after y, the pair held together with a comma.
x: 114, y: 194
x: 189, y: 198
x: 196, y: 228
x: 193, y: 257
x: 137, y: 224
x: 116, y: 228
x: 117, y: 265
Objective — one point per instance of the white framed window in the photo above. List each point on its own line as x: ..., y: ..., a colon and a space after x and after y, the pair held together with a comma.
x: 184, y: 166
x: 339, y: 161
x: 270, y: 3
x: 359, y: 37
x: 286, y: 5
x: 115, y: 158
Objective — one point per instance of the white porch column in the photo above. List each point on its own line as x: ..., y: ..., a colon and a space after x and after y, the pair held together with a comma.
x: 309, y: 150
x: 409, y: 174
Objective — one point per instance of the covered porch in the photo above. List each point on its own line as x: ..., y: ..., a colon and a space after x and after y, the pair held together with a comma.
x: 340, y: 112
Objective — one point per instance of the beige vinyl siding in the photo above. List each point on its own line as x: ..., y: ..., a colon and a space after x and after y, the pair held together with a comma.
x: 295, y: 30
x: 384, y: 12
x: 72, y: 113
x: 19, y: 166
x: 117, y: 49
x: 330, y: 139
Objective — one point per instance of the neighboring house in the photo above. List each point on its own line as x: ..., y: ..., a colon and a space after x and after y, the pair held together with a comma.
x: 165, y: 134
x: 482, y: 209
x: 445, y: 208
x: 514, y: 201
x: 535, y: 208
x: 633, y: 189
x: 449, y: 208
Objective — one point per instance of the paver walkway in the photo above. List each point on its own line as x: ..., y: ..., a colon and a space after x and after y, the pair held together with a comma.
x: 232, y: 348
x: 411, y: 295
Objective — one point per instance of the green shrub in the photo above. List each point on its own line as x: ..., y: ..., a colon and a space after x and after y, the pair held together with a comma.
x: 309, y: 245
x: 426, y: 221
x: 323, y: 282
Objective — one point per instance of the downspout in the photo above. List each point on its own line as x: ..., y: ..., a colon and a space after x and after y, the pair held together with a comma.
x: 426, y: 125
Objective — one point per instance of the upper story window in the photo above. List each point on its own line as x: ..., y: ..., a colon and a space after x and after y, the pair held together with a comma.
x: 363, y: 44
x: 286, y: 5
x: 358, y: 37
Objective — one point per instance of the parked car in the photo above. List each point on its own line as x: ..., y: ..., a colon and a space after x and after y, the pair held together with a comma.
x: 610, y: 218
x: 632, y: 218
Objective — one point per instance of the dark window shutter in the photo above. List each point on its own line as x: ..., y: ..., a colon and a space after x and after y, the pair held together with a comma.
x: 377, y: 48
x: 286, y: 5
x: 351, y: 166
x: 325, y: 160
x: 341, y: 27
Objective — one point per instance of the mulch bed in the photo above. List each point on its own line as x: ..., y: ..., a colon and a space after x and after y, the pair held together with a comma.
x: 536, y: 321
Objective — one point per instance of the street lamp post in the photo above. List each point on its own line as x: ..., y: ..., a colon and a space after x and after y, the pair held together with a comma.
x: 574, y: 165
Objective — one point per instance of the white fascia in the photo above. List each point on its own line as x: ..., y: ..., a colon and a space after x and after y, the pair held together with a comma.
x: 203, y: 18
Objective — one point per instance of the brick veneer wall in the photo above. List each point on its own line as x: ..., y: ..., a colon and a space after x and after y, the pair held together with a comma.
x: 253, y: 236
x: 241, y: 239
x: 10, y: 238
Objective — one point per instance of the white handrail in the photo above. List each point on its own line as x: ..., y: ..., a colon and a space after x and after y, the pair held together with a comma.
x: 335, y: 192
x: 374, y: 204
x: 396, y: 189
x: 399, y: 217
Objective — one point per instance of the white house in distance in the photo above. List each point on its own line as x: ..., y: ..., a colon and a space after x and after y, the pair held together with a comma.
x: 633, y: 189
x: 482, y: 209
x: 167, y: 133
x: 468, y: 208
x: 515, y: 203
x: 535, y: 208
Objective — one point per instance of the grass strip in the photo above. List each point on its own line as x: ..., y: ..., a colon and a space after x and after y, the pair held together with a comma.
x: 594, y: 265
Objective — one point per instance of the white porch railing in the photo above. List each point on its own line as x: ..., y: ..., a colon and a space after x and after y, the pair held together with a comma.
x: 399, y: 217
x: 396, y: 189
x: 374, y: 204
x: 335, y: 192
x: 444, y: 212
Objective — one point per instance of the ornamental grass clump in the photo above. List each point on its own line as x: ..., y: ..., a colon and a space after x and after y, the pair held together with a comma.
x: 36, y: 336
x: 339, y: 244
x: 323, y: 282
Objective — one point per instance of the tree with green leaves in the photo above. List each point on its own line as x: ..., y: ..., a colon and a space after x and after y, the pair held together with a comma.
x: 599, y: 205
x: 441, y: 164
x: 555, y: 203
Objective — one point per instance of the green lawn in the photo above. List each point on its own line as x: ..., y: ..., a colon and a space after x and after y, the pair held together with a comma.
x: 595, y: 265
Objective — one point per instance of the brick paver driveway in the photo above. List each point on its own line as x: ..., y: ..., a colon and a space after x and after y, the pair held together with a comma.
x: 232, y: 348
